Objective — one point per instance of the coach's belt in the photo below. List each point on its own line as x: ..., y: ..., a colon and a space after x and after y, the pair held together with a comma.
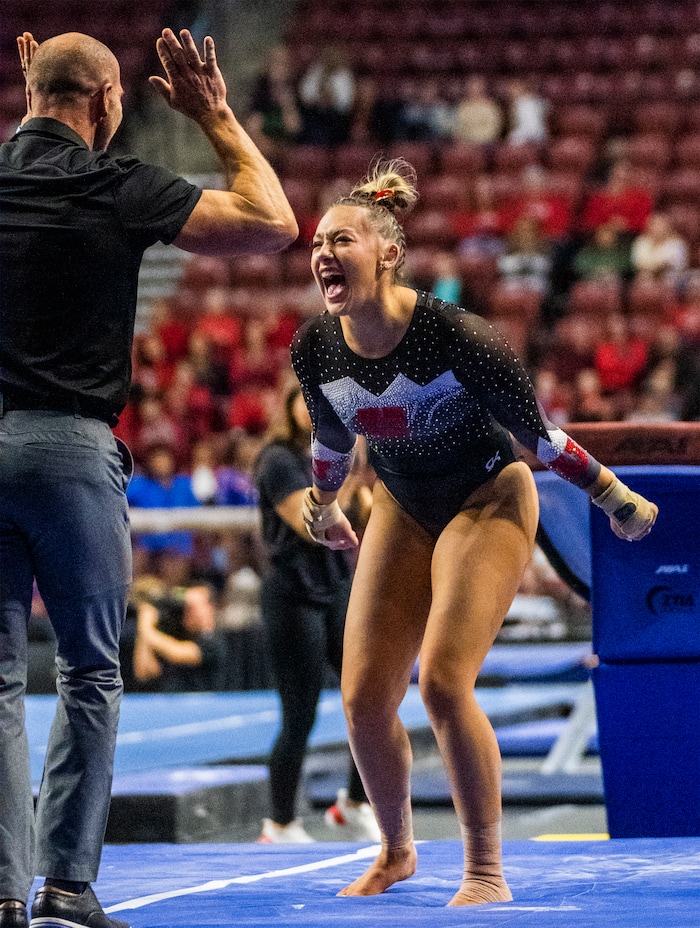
x: 15, y: 398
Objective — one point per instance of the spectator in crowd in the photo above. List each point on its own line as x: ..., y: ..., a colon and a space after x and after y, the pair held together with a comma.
x: 217, y: 476
x: 659, y: 253
x: 303, y: 599
x: 685, y: 315
x: 588, y: 403
x: 191, y: 406
x: 447, y: 284
x: 177, y: 647
x: 535, y: 200
x: 217, y: 323
x: 274, y: 118
x: 208, y: 369
x: 621, y: 200
x: 327, y: 94
x: 425, y: 115
x: 478, y: 117
x: 553, y: 396
x: 145, y: 588
x: 481, y: 227
x: 167, y: 555
x: 154, y: 426
x: 378, y: 111
x: 150, y: 367
x: 527, y: 260
x: 620, y: 360
x: 173, y: 332
x: 527, y: 114
x: 606, y: 257
x: 253, y: 364
x: 670, y: 381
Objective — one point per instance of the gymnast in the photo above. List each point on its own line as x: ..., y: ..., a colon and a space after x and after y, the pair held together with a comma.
x: 436, y: 391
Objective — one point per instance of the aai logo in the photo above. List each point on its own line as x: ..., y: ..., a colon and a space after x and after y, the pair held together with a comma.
x: 663, y: 600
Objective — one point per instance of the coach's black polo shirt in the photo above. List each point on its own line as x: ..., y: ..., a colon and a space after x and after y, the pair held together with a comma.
x: 73, y: 228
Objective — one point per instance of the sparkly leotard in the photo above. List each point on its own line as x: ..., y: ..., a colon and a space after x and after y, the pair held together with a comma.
x: 436, y: 411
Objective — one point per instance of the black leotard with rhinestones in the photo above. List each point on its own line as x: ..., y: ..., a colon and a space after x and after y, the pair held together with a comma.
x: 436, y: 411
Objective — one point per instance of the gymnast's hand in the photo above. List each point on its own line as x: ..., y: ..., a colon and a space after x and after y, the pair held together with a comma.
x: 631, y: 515
x: 340, y: 536
x: 327, y: 523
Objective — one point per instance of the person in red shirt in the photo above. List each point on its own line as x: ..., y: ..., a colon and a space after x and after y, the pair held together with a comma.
x: 620, y: 200
x: 620, y: 359
x: 551, y: 210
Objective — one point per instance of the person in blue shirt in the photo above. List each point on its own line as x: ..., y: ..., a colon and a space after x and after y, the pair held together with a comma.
x: 166, y: 554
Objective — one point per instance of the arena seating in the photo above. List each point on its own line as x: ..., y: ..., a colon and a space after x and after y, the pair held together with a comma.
x: 133, y: 44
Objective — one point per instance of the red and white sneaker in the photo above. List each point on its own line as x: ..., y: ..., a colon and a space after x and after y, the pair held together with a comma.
x: 357, y: 823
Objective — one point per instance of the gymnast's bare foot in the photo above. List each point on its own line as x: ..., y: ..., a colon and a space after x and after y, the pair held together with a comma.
x: 390, y: 867
x: 479, y: 891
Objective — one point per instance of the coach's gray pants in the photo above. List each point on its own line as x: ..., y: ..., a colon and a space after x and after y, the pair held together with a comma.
x: 64, y: 521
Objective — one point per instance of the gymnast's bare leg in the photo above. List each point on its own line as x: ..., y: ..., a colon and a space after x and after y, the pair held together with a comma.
x: 474, y: 570
x: 388, y: 609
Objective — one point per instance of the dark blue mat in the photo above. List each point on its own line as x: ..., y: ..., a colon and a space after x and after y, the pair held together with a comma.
x: 636, y: 883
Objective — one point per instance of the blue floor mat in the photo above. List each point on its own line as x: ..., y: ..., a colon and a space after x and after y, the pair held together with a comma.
x: 634, y: 883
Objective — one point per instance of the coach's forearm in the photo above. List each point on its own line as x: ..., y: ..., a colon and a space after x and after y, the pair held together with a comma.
x: 248, y: 175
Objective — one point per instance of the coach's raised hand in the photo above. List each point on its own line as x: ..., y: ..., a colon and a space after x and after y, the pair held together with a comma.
x: 252, y: 214
x: 195, y: 85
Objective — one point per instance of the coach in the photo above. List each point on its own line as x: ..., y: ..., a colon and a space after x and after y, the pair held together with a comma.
x: 74, y: 223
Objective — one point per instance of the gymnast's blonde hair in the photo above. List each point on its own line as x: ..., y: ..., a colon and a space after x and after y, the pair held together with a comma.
x: 389, y: 193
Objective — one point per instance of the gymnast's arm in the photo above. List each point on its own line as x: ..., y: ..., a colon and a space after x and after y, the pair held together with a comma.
x: 332, y: 454
x: 514, y: 405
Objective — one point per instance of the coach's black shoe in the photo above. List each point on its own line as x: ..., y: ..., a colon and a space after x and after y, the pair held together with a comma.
x: 13, y: 914
x: 55, y: 908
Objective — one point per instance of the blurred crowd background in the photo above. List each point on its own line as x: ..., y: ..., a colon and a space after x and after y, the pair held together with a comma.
x: 557, y: 147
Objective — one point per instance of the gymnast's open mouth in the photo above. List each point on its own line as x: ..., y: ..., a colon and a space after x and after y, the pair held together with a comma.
x: 334, y: 283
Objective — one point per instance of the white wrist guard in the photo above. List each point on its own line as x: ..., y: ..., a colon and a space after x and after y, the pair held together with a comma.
x: 623, y: 505
x: 318, y: 517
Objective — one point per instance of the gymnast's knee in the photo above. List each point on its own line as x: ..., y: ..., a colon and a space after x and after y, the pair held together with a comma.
x: 443, y: 688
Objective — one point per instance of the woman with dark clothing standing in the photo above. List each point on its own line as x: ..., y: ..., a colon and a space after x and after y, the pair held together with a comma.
x: 303, y: 599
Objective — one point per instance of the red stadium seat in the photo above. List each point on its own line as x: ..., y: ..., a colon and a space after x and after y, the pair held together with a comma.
x: 479, y: 274
x: 352, y: 160
x: 571, y: 153
x: 580, y: 120
x: 650, y: 150
x: 444, y: 191
x: 462, y: 158
x: 258, y: 271
x: 685, y: 218
x: 431, y: 227
x: 420, y: 266
x: 507, y: 299
x: 650, y: 298
x: 420, y: 154
x: 307, y: 161
x: 594, y: 298
x: 663, y: 117
x: 688, y: 150
x: 681, y: 185
x: 514, y: 158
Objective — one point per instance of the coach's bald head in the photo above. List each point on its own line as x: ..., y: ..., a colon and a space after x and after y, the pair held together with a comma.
x: 76, y: 79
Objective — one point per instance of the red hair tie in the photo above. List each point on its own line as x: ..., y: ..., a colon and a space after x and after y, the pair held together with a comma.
x: 383, y: 195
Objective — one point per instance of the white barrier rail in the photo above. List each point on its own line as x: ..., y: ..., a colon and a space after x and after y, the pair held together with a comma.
x: 198, y: 518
